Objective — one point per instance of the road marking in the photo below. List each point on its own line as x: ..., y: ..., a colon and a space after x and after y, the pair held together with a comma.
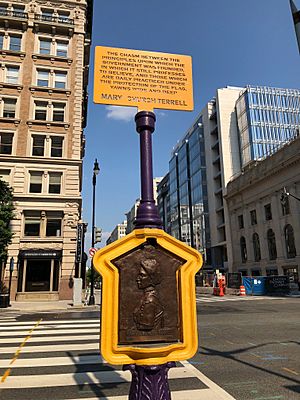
x: 7, y: 372
x: 290, y: 370
x: 81, y: 378
x: 49, y: 332
x: 53, y: 361
x: 46, y: 328
x: 66, y: 339
x: 56, y: 322
x: 221, y: 393
x: 197, y: 394
x: 53, y: 347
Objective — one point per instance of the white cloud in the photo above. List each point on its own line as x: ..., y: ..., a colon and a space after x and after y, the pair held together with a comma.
x: 121, y: 113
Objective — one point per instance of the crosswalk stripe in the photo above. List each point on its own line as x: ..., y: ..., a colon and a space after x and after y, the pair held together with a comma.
x: 57, y: 322
x: 48, y: 348
x: 54, y: 380
x: 44, y: 327
x: 40, y: 370
x: 56, y: 339
x: 197, y: 394
x: 53, y: 331
x: 53, y: 361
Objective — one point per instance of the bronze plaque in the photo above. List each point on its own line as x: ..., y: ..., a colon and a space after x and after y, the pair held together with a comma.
x: 148, y: 295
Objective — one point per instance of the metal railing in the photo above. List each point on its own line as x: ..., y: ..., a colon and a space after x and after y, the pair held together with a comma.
x: 14, y: 14
x: 51, y: 19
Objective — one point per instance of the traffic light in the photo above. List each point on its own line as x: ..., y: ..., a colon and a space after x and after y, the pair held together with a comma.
x: 98, y: 234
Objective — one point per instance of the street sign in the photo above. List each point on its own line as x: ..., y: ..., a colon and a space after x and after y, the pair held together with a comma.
x: 143, y: 79
x: 92, y: 251
x: 148, y: 298
x: 79, y: 244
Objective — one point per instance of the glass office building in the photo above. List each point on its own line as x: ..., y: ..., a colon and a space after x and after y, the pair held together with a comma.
x: 187, y: 202
x: 267, y: 119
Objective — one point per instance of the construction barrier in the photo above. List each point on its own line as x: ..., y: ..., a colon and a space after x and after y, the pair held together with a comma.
x: 242, y: 290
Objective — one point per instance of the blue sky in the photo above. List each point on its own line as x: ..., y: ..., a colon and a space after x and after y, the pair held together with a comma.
x: 232, y: 42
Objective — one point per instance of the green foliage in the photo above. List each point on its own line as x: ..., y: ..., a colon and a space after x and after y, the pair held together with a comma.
x: 6, y: 215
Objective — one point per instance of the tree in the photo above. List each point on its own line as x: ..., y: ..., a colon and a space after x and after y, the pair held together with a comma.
x: 6, y: 215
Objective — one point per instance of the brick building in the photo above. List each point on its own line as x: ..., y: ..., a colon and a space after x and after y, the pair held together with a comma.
x: 44, y: 52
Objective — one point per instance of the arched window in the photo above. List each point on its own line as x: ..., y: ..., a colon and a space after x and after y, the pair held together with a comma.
x: 289, y: 241
x: 243, y: 249
x: 256, y: 247
x: 271, y: 244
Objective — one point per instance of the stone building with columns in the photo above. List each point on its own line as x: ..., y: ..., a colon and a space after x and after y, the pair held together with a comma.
x: 265, y: 223
x: 44, y: 53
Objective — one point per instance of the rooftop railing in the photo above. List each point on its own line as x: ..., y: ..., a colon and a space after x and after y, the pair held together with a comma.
x: 51, y: 19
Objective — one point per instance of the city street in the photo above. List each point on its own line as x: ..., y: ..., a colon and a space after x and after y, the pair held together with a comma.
x: 248, y: 350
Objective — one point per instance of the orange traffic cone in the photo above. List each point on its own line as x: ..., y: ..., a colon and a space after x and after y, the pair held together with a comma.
x: 242, y: 291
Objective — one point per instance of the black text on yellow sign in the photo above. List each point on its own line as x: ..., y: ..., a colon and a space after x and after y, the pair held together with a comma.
x: 143, y: 79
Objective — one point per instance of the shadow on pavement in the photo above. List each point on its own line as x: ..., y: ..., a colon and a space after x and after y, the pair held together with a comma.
x: 87, y: 376
x: 230, y: 355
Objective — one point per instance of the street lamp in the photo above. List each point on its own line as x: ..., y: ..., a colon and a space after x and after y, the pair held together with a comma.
x: 96, y: 171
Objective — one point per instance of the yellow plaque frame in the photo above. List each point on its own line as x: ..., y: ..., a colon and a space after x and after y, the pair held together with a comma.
x: 116, y: 354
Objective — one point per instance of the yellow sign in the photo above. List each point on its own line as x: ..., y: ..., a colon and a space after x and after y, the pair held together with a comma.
x: 143, y: 79
x: 109, y: 263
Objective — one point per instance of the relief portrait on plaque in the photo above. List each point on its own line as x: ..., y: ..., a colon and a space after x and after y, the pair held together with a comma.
x: 149, y: 313
x: 149, y: 309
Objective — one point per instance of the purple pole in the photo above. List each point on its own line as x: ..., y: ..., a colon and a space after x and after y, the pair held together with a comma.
x: 147, y: 213
x: 149, y: 382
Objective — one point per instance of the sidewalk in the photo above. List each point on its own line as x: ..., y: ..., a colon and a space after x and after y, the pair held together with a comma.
x: 47, y: 306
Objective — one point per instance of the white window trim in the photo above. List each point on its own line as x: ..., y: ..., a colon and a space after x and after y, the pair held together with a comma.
x: 2, y: 98
x: 48, y: 144
x: 53, y: 46
x: 3, y: 72
x: 14, y: 142
x: 49, y: 111
x: 6, y: 40
x: 45, y: 182
x: 51, y: 77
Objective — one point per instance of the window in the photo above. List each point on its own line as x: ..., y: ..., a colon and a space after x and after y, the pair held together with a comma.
x: 60, y: 80
x: 268, y: 212
x: 45, y: 111
x: 243, y: 249
x: 253, y: 218
x: 9, y: 108
x: 61, y: 49
x: 32, y: 223
x: 12, y: 74
x: 1, y: 41
x: 45, y: 46
x: 53, y: 47
x: 47, y: 14
x: 38, y: 145
x: 40, y: 113
x: 241, y: 221
x: 6, y: 142
x: 53, y: 226
x: 58, y: 112
x: 42, y: 78
x: 56, y: 146
x: 54, y: 182
x: 35, y: 182
x: 15, y: 42
x: 289, y: 241
x: 50, y: 78
x: 271, y: 244
x: 272, y: 271
x: 256, y: 247
x: 5, y: 175
x: 43, y: 223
